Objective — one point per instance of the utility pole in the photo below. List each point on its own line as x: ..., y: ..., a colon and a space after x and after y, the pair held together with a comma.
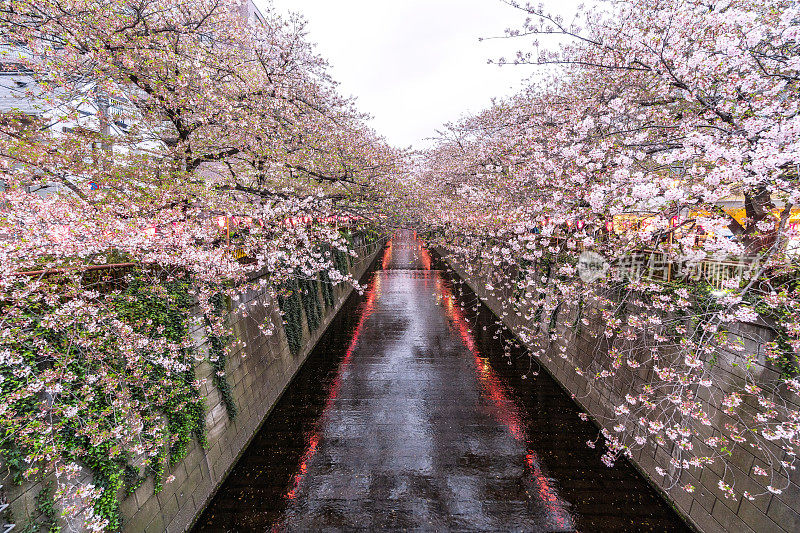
x: 104, y: 118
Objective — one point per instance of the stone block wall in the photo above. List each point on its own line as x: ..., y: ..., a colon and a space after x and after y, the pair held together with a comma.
x: 707, y: 509
x: 257, y: 372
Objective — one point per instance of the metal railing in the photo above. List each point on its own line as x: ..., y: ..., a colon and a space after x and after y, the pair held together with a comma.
x: 658, y: 266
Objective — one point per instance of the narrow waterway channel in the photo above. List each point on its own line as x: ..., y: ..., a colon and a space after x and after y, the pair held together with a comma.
x: 409, y: 415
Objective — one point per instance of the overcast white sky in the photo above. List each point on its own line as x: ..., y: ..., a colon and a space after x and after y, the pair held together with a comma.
x: 416, y: 64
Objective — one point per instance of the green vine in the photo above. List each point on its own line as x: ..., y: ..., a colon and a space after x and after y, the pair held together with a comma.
x: 578, y: 324
x: 309, y: 292
x: 704, y: 308
x: 157, y: 466
x: 523, y: 267
x: 217, y: 356
x: 340, y: 261
x: 13, y: 459
x: 780, y: 350
x: 553, y: 321
x: 151, y: 304
x: 348, y: 259
x: 132, y: 479
x: 163, y: 311
x: 291, y: 307
x: 45, y: 513
x: 327, y: 289
x: 46, y: 505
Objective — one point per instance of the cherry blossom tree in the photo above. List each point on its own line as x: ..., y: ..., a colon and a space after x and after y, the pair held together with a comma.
x: 201, y: 148
x: 662, y: 137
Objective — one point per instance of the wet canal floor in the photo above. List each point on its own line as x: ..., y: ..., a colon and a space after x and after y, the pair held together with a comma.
x: 409, y: 416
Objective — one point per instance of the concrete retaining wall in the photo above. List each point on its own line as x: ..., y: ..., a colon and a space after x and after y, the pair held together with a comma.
x: 706, y: 508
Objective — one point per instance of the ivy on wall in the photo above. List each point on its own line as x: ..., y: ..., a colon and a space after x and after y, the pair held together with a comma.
x: 777, y: 315
x: 704, y: 305
x: 348, y: 259
x: 296, y: 298
x: 291, y: 308
x: 88, y: 370
x: 523, y: 267
x: 551, y: 327
x: 577, y: 325
x: 162, y: 311
x: 301, y: 296
x: 159, y: 310
x: 217, y: 356
x: 309, y: 292
x: 340, y: 261
x: 91, y: 369
x: 327, y: 289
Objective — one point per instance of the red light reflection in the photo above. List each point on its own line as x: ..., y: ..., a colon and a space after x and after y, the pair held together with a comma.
x: 424, y: 256
x: 505, y: 409
x: 373, y: 292
x: 387, y: 255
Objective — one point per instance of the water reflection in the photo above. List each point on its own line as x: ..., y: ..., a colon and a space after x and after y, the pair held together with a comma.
x: 408, y: 416
x: 506, y: 412
x: 373, y: 291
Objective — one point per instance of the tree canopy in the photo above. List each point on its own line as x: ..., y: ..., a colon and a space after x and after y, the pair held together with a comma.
x: 204, y: 143
x: 663, y: 139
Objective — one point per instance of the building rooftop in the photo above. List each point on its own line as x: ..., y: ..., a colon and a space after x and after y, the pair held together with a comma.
x: 18, y: 94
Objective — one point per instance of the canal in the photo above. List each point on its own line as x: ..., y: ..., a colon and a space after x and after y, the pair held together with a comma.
x: 410, y: 414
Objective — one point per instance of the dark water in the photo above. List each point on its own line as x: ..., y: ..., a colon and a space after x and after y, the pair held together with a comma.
x: 409, y: 415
